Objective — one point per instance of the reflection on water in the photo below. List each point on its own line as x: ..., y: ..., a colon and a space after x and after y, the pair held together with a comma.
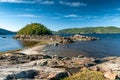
x: 27, y: 43
x: 8, y: 44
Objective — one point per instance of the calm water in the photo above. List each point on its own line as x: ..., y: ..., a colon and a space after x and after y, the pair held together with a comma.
x: 108, y: 45
x: 8, y: 44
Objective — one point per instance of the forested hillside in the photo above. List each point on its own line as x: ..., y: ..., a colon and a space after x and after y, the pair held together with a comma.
x: 87, y: 30
x: 4, y: 32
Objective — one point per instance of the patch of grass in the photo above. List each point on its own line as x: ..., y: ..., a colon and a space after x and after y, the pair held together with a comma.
x: 86, y: 74
x: 42, y: 42
x: 1, y: 53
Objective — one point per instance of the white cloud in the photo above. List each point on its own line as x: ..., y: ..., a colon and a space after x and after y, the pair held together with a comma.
x: 29, y: 15
x: 116, y: 19
x: 71, y: 16
x: 91, y: 17
x: 73, y: 4
x: 12, y: 1
x: 118, y: 9
x: 46, y: 2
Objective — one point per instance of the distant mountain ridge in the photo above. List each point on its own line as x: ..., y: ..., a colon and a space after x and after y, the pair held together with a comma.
x: 90, y: 30
x: 5, y: 32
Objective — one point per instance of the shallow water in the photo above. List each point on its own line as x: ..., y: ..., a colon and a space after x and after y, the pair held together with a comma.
x: 8, y: 44
x: 108, y: 45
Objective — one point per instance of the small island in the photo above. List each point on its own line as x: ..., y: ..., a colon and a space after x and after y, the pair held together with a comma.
x: 38, y: 32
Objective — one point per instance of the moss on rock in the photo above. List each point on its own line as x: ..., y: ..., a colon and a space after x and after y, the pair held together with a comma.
x: 86, y: 74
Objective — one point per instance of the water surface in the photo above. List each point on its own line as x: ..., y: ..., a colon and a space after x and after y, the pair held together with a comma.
x: 7, y: 43
x: 108, y: 45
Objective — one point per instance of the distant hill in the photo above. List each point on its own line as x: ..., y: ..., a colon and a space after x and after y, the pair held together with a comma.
x: 5, y: 32
x: 90, y: 30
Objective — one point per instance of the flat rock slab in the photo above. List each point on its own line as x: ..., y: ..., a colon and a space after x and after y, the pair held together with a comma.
x: 111, y: 66
x: 15, y: 69
x: 33, y: 50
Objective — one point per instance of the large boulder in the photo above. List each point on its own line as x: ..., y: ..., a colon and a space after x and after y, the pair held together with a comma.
x: 58, y: 76
x: 109, y: 75
x: 29, y: 74
x: 59, y: 39
x: 110, y: 67
x: 66, y: 40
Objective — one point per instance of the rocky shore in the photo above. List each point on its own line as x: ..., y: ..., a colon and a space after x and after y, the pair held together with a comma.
x: 33, y: 63
x: 55, y: 38
x: 39, y: 66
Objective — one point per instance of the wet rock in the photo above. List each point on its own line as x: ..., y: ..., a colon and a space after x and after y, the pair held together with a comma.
x: 66, y: 40
x: 90, y: 64
x: 47, y: 57
x: 57, y: 57
x: 98, y: 61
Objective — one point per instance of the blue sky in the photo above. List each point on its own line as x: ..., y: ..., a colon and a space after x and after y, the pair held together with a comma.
x: 59, y: 14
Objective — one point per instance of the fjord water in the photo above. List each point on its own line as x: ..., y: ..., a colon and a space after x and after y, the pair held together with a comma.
x: 8, y: 44
x: 108, y: 45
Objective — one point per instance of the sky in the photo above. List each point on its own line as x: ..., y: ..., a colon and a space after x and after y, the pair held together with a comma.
x: 59, y: 14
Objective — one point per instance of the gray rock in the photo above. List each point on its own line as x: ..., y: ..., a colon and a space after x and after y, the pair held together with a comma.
x: 110, y: 64
x: 29, y: 74
x: 43, y: 62
x: 58, y: 75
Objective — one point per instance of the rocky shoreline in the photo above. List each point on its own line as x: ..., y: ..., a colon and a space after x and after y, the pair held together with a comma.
x: 33, y: 63
x: 55, y: 38
x: 19, y: 65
